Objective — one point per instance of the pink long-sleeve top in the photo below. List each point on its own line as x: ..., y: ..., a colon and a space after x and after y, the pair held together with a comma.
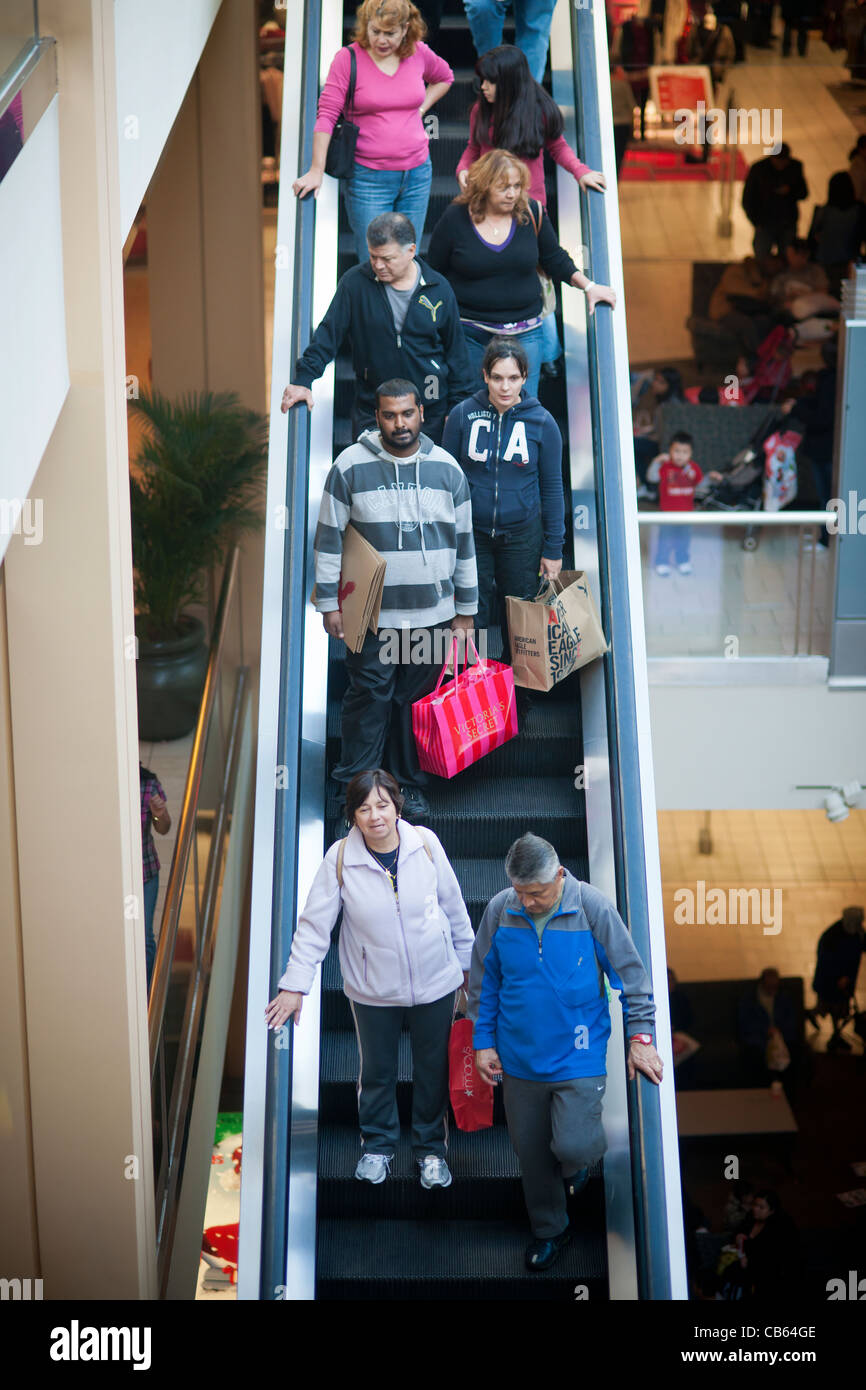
x: 558, y: 149
x: 385, y: 109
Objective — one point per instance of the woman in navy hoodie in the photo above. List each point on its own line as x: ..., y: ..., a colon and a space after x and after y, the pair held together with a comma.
x: 510, y: 449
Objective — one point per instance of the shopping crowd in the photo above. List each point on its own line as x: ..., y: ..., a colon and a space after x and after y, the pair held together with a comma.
x: 455, y: 479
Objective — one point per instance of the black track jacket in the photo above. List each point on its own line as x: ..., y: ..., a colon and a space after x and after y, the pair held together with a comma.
x: 430, y: 351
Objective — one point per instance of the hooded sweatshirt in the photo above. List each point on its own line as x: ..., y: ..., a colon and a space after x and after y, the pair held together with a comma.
x: 416, y: 512
x: 513, y: 463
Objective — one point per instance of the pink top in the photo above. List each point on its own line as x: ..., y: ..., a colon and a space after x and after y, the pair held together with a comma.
x: 558, y: 149
x: 385, y: 109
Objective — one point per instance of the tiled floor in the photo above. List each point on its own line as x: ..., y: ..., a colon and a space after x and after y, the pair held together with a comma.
x: 818, y: 867
x: 750, y: 596
x: 666, y: 226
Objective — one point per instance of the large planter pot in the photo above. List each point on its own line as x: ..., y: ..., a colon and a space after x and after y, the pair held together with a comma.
x: 170, y: 678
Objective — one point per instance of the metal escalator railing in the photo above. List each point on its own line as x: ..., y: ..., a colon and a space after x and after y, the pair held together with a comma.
x: 278, y: 1193
x: 652, y: 1112
x: 184, y: 957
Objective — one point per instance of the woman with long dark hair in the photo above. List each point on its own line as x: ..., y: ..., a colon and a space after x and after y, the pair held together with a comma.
x: 514, y: 112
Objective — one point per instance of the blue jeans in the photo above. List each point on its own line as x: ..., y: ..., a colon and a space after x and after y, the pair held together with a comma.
x: 551, y: 347
x: 151, y: 892
x: 532, y: 28
x: 673, y: 541
x: 532, y: 342
x: 371, y: 191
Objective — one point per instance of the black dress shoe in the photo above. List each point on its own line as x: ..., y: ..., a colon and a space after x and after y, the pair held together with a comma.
x: 415, y: 805
x: 577, y: 1183
x: 540, y: 1254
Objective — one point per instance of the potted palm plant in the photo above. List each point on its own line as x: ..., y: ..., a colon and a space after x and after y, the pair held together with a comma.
x: 197, y: 484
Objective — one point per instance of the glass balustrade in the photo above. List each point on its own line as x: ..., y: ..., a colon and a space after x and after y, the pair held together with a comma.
x: 753, y: 584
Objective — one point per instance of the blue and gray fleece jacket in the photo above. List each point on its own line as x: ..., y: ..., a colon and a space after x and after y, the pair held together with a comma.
x: 543, y: 1005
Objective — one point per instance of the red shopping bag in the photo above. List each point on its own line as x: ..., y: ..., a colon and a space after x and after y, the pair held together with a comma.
x: 471, y: 1097
x: 456, y: 724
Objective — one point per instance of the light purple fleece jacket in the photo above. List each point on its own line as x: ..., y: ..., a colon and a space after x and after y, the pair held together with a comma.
x: 406, y: 950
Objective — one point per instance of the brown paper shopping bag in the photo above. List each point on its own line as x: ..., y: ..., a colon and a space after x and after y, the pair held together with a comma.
x: 555, y: 633
x: 362, y: 578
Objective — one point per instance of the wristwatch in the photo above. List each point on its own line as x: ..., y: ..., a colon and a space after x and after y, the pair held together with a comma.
x: 645, y: 1038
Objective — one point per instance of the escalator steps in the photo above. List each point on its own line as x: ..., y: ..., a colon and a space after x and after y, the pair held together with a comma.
x: 441, y: 1259
x: 395, y: 1240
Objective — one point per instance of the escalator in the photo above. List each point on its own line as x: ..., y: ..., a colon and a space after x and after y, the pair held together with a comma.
x: 308, y: 1228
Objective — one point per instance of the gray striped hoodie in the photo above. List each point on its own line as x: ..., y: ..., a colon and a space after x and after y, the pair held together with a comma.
x: 417, y: 513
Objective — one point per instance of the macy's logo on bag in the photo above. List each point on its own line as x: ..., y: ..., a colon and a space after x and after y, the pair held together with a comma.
x: 468, y: 1072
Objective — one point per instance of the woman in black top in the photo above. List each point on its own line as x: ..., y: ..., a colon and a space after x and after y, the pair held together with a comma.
x: 489, y: 244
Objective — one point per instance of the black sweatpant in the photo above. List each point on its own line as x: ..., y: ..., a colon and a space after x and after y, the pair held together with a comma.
x: 377, y: 707
x: 378, y: 1030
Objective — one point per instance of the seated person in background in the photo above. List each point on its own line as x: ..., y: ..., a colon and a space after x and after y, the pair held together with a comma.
x: 738, y: 1206
x: 677, y: 475
x: 685, y: 1046
x: 768, y: 1031
x: 649, y: 390
x: 802, y: 275
x: 400, y: 319
x: 741, y: 300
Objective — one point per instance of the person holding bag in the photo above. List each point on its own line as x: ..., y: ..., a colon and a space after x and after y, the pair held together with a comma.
x: 405, y: 948
x: 510, y: 449
x: 397, y: 79
x: 489, y: 244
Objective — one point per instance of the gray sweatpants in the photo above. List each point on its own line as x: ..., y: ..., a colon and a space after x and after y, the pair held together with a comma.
x: 556, y: 1129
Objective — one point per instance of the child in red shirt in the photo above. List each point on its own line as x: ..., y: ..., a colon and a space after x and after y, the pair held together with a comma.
x: 678, y: 476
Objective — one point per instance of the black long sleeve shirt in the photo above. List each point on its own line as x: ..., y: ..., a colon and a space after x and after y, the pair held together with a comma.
x: 496, y: 284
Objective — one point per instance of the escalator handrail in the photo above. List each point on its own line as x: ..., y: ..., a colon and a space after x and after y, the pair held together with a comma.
x: 653, y: 1124
x: 189, y: 811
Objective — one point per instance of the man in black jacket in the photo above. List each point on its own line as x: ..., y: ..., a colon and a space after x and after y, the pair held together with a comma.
x: 773, y: 188
x: 401, y: 319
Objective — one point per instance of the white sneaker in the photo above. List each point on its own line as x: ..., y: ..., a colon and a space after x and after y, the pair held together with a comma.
x: 373, y: 1167
x: 663, y: 569
x: 434, y: 1172
x: 685, y: 567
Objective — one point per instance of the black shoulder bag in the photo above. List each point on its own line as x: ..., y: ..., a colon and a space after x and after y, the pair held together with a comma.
x: 340, y: 159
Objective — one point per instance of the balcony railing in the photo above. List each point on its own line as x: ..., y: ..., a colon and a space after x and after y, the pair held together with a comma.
x: 755, y: 584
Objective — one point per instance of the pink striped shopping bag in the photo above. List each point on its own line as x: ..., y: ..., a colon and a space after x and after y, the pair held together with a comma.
x: 457, y: 723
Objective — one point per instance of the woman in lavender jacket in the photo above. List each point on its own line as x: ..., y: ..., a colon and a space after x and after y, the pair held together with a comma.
x: 405, y: 947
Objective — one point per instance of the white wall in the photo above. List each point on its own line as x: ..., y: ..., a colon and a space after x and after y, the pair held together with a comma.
x: 733, y: 746
x: 157, y: 44
x: 34, y: 372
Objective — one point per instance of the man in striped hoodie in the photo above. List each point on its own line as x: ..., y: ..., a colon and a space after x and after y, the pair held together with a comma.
x: 410, y: 500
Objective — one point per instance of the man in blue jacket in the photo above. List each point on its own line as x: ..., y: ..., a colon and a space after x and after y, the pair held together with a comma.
x: 510, y: 449
x: 538, y: 998
x: 401, y: 320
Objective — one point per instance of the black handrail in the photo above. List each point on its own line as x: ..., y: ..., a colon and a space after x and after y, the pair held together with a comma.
x: 651, y: 1217
x: 279, y: 1065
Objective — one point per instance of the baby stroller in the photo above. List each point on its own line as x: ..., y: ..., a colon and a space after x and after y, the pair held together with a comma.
x: 742, y: 487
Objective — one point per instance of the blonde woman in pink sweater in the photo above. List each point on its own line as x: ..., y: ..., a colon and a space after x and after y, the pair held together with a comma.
x: 514, y: 112
x: 398, y: 79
